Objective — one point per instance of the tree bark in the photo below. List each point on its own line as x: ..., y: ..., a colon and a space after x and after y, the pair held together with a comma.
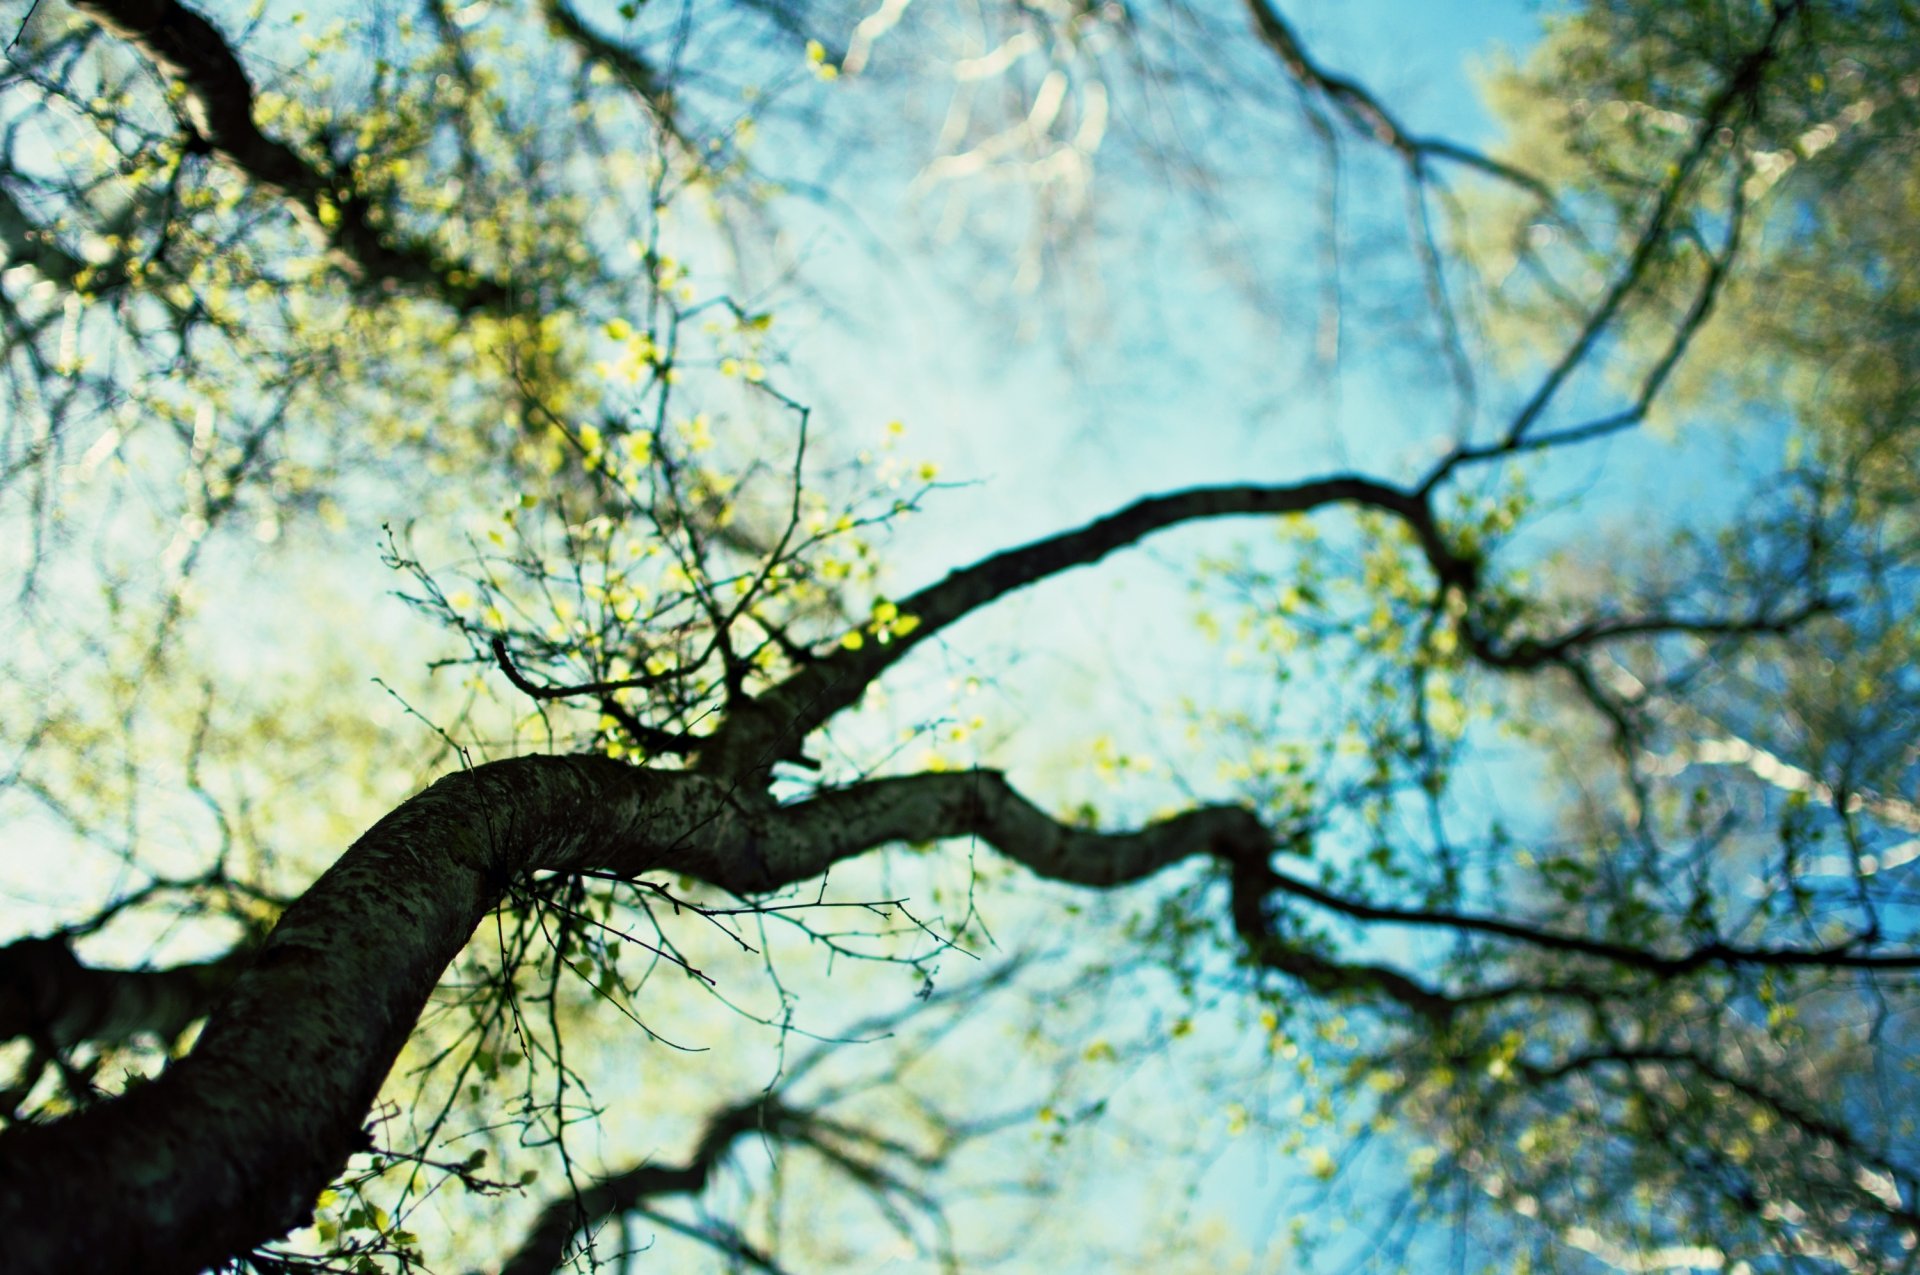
x: 47, y: 995
x: 229, y: 1148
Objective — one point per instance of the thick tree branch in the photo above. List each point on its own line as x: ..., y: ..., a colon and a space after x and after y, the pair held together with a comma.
x: 773, y: 725
x: 809, y: 838
x: 219, y: 103
x: 229, y: 1147
x: 48, y: 995
x: 828, y: 828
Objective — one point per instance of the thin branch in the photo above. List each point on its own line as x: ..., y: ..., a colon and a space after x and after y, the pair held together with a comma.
x: 1532, y: 653
x: 1789, y: 1110
x: 652, y: 738
x: 1737, y: 94
x: 219, y: 102
x: 543, y: 1248
x: 1366, y: 113
x: 773, y: 725
x: 622, y: 62
x: 1518, y: 438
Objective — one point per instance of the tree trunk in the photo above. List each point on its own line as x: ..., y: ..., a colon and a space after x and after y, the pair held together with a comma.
x: 229, y: 1148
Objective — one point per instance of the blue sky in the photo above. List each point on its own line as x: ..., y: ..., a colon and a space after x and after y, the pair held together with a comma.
x: 1050, y: 441
x: 1043, y: 434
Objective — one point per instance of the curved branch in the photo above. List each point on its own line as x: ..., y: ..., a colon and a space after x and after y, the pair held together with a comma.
x: 652, y: 738
x: 810, y: 837
x: 1845, y: 955
x: 1365, y: 112
x: 1735, y: 97
x: 219, y: 102
x: 230, y: 1147
x: 543, y: 1249
x: 774, y: 723
x: 1526, y: 654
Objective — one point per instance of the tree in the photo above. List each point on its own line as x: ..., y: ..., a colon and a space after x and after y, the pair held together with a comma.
x: 1562, y: 838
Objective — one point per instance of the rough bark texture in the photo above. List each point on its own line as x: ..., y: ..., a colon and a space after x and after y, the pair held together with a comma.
x: 229, y: 1148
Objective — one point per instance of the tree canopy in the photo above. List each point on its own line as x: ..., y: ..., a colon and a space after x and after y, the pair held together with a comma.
x: 783, y: 636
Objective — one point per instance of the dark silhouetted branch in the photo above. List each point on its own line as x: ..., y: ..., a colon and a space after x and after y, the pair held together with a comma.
x: 1365, y: 112
x: 218, y: 100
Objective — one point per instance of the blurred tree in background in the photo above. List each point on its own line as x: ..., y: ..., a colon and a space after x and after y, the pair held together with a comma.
x: 1509, y: 870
